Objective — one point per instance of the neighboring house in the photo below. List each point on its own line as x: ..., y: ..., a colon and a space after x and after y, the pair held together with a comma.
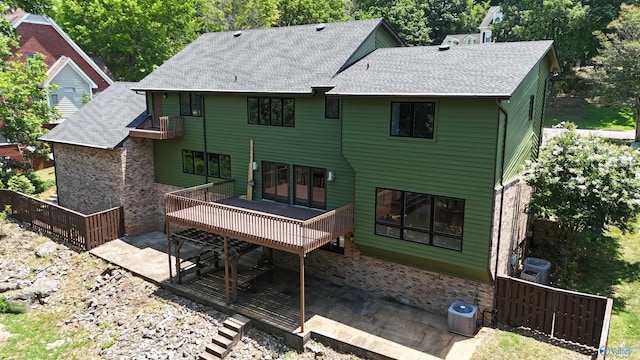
x: 429, y: 152
x: 493, y: 16
x: 77, y: 75
x: 69, y: 66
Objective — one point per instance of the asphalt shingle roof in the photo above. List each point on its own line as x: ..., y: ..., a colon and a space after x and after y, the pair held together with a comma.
x: 484, y: 70
x: 285, y: 59
x: 104, y: 122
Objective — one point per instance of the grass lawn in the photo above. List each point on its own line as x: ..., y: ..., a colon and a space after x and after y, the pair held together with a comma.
x: 592, y: 117
x: 47, y: 174
x: 610, y: 267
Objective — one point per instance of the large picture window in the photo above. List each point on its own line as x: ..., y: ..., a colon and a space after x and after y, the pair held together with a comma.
x: 190, y: 104
x: 422, y: 218
x: 271, y: 111
x: 410, y: 119
x: 193, y: 162
x: 219, y: 166
x: 310, y: 188
x: 275, y: 181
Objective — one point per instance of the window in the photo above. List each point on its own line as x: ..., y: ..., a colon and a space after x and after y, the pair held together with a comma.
x: 54, y: 99
x: 69, y: 90
x: 422, y: 218
x: 219, y: 166
x: 413, y: 119
x: 193, y: 162
x: 31, y: 56
x: 190, y: 104
x: 275, y: 181
x: 331, y: 107
x: 310, y: 189
x: 271, y: 111
x: 531, y: 103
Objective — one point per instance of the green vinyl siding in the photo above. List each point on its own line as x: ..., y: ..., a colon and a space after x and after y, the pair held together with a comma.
x: 385, y: 39
x: 459, y: 162
x: 523, y: 134
x: 380, y: 38
x: 314, y: 142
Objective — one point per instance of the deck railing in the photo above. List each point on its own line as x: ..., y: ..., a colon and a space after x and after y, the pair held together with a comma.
x: 196, y: 207
x: 170, y: 127
x: 208, y: 192
x: 85, y: 231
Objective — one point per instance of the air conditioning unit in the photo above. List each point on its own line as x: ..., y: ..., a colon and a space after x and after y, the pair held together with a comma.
x: 462, y: 318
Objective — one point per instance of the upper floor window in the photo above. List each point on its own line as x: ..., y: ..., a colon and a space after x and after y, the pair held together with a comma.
x: 410, y: 119
x: 69, y: 89
x: 219, y: 166
x: 54, y: 99
x: 271, y: 111
x: 423, y: 218
x: 190, y: 104
x: 331, y: 107
x: 193, y: 162
x: 532, y: 102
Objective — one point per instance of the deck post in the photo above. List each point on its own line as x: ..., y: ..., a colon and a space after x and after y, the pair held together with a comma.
x: 302, y: 293
x: 226, y: 267
x: 168, y: 230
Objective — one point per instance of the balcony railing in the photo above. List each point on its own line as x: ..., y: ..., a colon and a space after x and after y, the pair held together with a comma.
x: 198, y: 207
x: 169, y: 127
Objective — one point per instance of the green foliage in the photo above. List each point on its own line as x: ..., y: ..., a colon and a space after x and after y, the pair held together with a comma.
x: 407, y: 17
x: 297, y: 12
x: 585, y: 184
x: 4, y: 305
x: 133, y: 37
x: 619, y: 68
x: 21, y: 183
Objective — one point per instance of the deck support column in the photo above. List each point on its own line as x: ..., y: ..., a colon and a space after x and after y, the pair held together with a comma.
x: 226, y: 267
x: 168, y: 230
x: 302, y: 293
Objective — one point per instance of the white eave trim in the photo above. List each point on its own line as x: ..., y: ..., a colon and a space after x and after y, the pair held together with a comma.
x: 73, y: 45
x: 75, y: 67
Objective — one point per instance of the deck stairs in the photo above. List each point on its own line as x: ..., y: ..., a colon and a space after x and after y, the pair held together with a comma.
x: 231, y: 331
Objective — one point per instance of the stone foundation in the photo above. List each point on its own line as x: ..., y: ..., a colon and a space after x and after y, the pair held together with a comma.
x: 427, y: 290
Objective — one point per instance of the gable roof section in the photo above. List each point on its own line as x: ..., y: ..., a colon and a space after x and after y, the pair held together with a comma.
x: 492, y: 70
x: 273, y: 60
x: 488, y: 18
x: 64, y: 62
x: 105, y: 121
x: 19, y: 17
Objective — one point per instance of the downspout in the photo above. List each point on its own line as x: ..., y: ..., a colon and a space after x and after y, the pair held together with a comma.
x: 204, y: 140
x: 499, y: 238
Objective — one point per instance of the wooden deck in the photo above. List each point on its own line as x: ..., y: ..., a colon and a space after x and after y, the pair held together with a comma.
x: 274, y: 225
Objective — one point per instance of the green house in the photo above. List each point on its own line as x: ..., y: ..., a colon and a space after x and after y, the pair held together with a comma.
x: 404, y: 161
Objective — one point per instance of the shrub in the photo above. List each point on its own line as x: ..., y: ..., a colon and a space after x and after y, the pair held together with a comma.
x: 21, y: 183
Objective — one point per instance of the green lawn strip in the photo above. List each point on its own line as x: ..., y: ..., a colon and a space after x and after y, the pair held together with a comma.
x: 591, y: 117
x: 31, y: 332
x: 47, y: 174
x: 508, y: 345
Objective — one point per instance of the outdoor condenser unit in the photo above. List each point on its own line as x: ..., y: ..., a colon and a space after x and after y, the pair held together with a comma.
x: 462, y: 318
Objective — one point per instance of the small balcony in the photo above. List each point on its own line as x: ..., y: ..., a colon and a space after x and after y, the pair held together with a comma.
x: 166, y: 127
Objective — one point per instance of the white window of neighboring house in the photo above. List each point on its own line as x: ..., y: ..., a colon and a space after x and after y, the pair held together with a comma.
x: 69, y: 89
x: 54, y: 99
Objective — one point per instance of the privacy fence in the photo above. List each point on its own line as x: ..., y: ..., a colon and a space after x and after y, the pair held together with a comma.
x: 563, y: 314
x: 84, y: 231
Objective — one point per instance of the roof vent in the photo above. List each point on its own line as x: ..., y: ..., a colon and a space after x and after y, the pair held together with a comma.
x: 320, y: 27
x: 237, y: 33
x: 444, y: 47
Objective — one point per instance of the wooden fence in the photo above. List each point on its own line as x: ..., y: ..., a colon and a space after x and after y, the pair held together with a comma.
x: 563, y: 314
x: 84, y: 231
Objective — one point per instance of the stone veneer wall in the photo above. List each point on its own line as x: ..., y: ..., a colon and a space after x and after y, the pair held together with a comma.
x: 515, y: 225
x: 89, y: 180
x: 405, y: 284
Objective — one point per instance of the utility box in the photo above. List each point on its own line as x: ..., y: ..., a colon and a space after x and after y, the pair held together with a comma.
x: 530, y: 275
x: 540, y: 266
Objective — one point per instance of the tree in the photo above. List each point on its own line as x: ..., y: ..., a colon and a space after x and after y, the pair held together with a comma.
x: 133, y: 37
x: 407, y: 17
x: 297, y: 12
x: 226, y: 15
x: 585, y: 185
x: 564, y: 21
x: 618, y: 66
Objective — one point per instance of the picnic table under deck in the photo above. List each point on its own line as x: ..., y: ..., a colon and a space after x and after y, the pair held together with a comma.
x: 213, y: 247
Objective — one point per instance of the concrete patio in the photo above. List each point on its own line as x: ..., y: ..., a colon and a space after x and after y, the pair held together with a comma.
x: 348, y: 319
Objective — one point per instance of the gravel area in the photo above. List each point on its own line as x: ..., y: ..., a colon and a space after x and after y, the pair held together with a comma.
x: 101, y: 311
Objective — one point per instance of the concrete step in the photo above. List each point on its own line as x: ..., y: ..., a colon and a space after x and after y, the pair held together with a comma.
x: 223, y: 341
x: 229, y: 334
x: 216, y: 350
x: 208, y: 356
